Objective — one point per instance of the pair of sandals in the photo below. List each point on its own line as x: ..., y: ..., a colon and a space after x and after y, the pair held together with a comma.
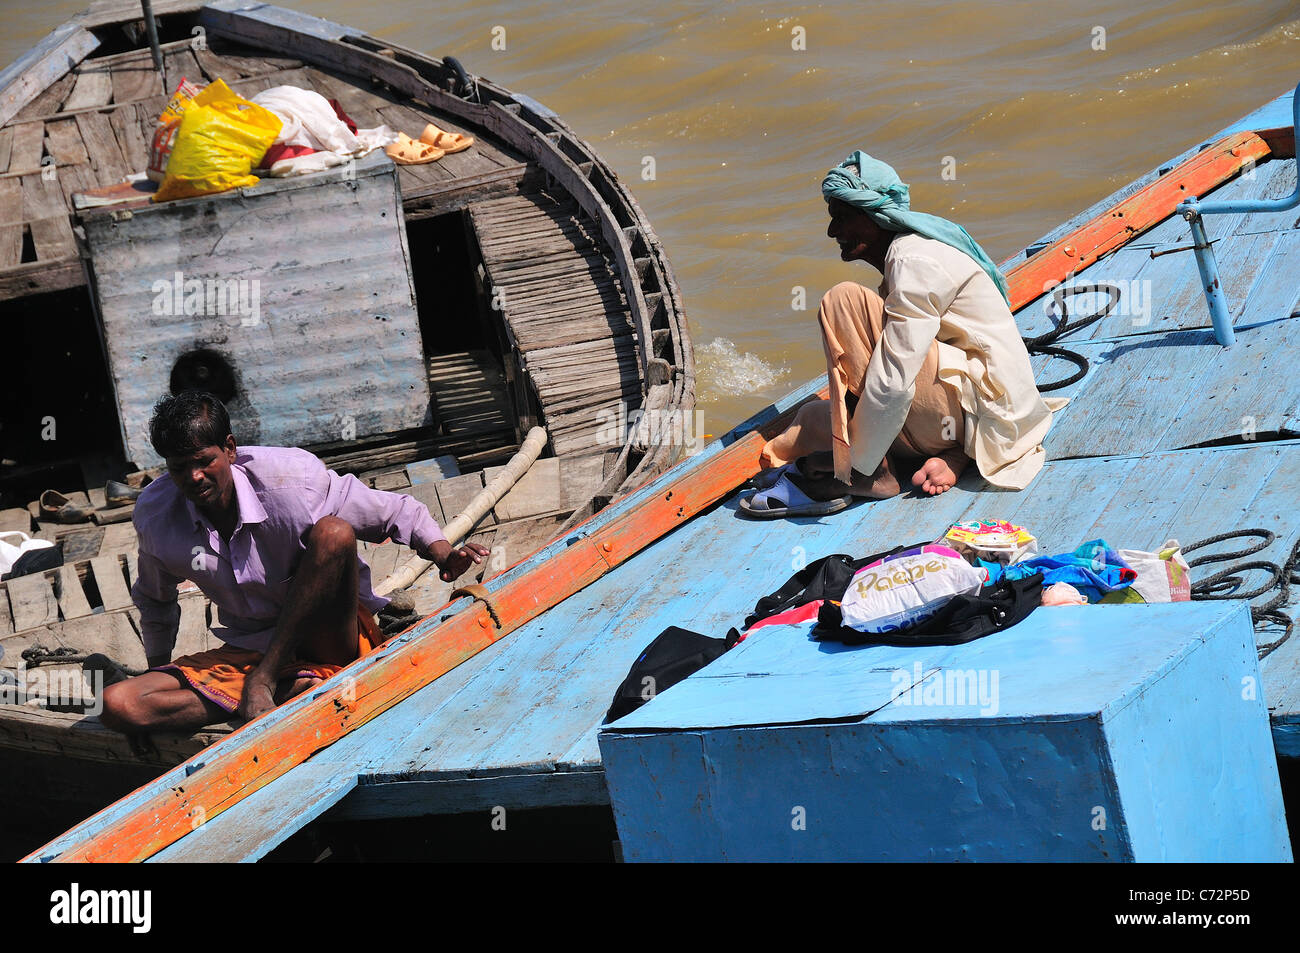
x: 785, y: 492
x: 433, y: 144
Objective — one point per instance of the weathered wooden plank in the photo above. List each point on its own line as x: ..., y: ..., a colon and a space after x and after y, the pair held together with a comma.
x: 74, y: 179
x: 391, y: 480
x: 6, y: 145
x: 382, y: 559
x: 105, y: 154
x: 53, y: 238
x: 11, y: 232
x: 75, y: 736
x: 44, y: 65
x: 47, y: 103
x: 427, y: 493
x: 65, y: 143
x: 105, y: 12
x: 230, y: 66
x: 129, y: 131
x: 114, y: 635
x: 194, y: 634
x: 538, y: 491
x: 135, y: 80
x: 27, y: 149
x: 42, y: 198
x: 181, y: 64
x: 32, y: 601
x: 6, y: 616
x: 255, y: 826
x: 455, y: 494
x: 15, y: 519
x: 110, y: 582
x: 429, y: 471
x: 94, y: 87
x: 81, y: 543
x: 72, y: 598
x: 39, y: 277
x: 118, y: 538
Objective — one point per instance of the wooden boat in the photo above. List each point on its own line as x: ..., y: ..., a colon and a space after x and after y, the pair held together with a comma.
x: 484, y: 710
x: 566, y: 315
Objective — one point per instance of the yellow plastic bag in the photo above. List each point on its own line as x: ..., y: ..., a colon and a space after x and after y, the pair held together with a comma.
x: 222, y: 136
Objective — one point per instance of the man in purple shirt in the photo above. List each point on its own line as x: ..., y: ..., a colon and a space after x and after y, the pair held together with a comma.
x: 269, y: 535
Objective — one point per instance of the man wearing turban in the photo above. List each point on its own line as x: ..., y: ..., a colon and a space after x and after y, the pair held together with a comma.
x: 926, y: 375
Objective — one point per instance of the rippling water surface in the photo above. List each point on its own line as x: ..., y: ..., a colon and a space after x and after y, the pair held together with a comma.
x: 1039, y: 108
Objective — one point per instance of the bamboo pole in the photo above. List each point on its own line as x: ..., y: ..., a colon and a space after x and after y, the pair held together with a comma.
x: 484, y: 500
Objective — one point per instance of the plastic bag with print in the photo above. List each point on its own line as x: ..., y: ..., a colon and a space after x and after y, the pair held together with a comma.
x: 904, y: 590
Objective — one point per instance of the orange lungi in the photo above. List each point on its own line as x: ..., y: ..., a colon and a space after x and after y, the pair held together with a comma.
x: 218, y: 674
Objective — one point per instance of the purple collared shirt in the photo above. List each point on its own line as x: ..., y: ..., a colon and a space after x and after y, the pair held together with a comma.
x: 281, y: 492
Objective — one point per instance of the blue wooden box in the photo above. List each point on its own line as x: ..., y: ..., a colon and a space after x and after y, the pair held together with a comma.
x: 1128, y: 732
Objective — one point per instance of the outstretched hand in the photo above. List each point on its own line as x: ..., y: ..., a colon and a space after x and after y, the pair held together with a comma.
x: 453, y: 561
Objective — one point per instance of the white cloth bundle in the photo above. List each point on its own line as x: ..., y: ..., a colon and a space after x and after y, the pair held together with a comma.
x: 309, y: 120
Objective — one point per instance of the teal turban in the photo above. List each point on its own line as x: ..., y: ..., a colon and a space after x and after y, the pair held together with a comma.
x: 877, y: 190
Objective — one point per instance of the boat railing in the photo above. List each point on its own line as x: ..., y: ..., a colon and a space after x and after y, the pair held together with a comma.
x: 1194, y: 211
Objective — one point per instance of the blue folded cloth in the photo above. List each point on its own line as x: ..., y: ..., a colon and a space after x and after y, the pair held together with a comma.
x: 1094, y: 569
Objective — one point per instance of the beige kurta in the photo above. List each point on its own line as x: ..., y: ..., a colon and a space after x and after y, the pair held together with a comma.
x: 933, y: 292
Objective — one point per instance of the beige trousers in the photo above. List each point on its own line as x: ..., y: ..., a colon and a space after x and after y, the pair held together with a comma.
x: 852, y: 320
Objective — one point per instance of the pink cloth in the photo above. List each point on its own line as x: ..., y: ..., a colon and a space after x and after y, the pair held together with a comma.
x: 281, y: 493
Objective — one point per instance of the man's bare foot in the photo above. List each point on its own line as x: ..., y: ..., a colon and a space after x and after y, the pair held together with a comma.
x: 295, y: 688
x: 938, y: 475
x: 256, y: 701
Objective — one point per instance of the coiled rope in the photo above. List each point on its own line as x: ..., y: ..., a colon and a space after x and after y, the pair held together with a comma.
x: 1043, y: 343
x: 1227, y: 582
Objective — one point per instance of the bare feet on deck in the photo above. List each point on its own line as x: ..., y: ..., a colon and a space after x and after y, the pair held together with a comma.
x: 939, y: 474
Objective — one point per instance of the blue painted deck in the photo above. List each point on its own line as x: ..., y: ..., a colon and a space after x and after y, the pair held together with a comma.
x: 1049, y: 741
x: 516, y: 725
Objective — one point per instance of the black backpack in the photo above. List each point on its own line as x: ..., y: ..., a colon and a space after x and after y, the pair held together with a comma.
x: 825, y: 578
x: 674, y: 654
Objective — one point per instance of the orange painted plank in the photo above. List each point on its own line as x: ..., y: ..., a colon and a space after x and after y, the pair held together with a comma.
x: 1200, y: 174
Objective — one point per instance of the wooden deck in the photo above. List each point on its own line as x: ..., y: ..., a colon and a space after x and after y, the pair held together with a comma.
x: 93, y: 126
x: 565, y: 314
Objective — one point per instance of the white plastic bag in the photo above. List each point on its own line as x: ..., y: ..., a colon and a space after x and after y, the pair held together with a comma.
x: 904, y: 590
x: 1162, y: 576
x: 10, y: 550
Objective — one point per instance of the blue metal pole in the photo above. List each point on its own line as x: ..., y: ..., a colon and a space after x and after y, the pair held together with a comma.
x: 1209, y: 269
x: 1205, y: 261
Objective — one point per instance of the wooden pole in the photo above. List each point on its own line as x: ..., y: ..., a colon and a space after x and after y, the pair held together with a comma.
x: 151, y: 28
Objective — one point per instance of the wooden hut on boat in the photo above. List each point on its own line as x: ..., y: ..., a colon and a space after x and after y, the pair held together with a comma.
x: 416, y: 322
x: 1159, y: 716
